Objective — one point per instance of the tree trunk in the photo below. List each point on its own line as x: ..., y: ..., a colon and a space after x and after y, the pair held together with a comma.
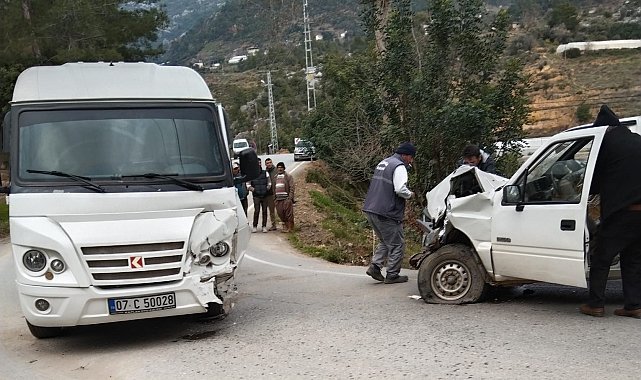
x: 26, y: 13
x: 382, y: 9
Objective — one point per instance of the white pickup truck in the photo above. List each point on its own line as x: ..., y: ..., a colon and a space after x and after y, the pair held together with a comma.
x: 484, y: 230
x: 122, y: 202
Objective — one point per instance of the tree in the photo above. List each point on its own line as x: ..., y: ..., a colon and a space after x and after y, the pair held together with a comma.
x: 58, y: 31
x: 566, y: 14
x: 441, y: 87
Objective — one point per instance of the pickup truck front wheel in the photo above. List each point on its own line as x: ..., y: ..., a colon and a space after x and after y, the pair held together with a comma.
x: 451, y: 276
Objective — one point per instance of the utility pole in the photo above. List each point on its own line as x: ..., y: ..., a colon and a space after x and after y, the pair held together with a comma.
x: 310, y: 70
x: 272, y: 114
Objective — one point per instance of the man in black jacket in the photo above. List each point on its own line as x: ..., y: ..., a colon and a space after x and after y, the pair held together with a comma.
x: 617, y: 178
x: 474, y: 156
x: 260, y: 188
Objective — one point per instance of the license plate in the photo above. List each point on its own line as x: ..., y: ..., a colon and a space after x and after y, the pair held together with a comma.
x: 142, y: 304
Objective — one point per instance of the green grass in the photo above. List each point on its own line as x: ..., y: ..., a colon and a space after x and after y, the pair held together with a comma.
x: 4, y: 219
x: 350, y: 240
x: 351, y: 236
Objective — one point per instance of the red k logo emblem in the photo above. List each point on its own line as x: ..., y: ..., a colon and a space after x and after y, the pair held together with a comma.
x: 135, y: 262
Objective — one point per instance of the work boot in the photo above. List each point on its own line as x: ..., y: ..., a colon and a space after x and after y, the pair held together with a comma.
x: 395, y: 279
x: 375, y: 272
x: 291, y: 226
x: 592, y: 311
x: 636, y: 313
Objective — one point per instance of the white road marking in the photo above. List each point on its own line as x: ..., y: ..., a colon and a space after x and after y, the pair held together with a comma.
x: 251, y: 207
x: 303, y: 269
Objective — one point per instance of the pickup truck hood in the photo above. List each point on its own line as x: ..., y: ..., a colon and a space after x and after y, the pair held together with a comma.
x: 481, y: 188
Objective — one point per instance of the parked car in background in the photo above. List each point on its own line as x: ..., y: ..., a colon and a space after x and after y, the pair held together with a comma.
x: 239, y: 145
x: 304, y: 150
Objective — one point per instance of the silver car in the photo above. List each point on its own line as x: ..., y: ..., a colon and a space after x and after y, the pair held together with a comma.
x: 304, y: 150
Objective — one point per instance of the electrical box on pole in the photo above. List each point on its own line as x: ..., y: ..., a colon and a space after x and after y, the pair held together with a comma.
x: 272, y: 114
x: 310, y: 70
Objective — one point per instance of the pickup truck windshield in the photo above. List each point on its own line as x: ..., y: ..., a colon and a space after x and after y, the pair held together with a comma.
x: 104, y: 144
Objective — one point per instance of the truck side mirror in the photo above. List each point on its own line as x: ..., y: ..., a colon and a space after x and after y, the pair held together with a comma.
x: 249, y: 167
x: 512, y: 195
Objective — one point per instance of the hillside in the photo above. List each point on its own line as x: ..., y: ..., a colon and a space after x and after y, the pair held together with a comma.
x: 562, y: 85
x: 240, y: 24
x: 184, y: 15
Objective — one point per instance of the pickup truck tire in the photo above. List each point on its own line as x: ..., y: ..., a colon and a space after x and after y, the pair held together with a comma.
x: 44, y: 332
x: 451, y: 275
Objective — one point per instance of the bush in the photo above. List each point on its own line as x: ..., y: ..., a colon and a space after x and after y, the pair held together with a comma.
x: 583, y: 113
x: 4, y: 219
x: 572, y: 53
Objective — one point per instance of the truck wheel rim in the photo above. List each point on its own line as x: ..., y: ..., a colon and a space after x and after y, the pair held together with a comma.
x: 451, y: 280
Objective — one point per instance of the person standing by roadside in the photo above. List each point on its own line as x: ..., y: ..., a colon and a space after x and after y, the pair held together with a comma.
x: 385, y: 210
x: 284, y: 193
x: 617, y: 178
x: 474, y: 156
x: 272, y: 171
x: 260, y: 188
x: 241, y: 187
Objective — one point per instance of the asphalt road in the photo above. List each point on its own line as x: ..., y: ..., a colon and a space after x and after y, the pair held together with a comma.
x: 299, y: 317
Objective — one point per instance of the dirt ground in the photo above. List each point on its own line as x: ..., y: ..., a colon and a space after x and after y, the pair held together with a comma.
x: 308, y: 219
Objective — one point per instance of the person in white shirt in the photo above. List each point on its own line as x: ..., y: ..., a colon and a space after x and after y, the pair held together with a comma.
x: 385, y: 210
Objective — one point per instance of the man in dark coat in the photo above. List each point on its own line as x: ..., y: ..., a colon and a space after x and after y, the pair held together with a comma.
x: 617, y: 178
x: 474, y: 156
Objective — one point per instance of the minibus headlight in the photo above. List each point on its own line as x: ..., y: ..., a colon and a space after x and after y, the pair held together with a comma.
x: 57, y: 265
x: 34, y: 260
x: 220, y: 249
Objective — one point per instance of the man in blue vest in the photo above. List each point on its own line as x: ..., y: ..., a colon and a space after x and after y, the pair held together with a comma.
x: 385, y: 210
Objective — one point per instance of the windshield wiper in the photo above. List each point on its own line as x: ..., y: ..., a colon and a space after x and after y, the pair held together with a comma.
x: 177, y: 181
x: 85, y: 180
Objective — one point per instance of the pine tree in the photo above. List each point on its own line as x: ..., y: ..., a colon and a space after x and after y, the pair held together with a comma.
x: 59, y: 31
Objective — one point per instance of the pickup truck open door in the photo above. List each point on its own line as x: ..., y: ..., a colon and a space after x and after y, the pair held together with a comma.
x: 539, y: 222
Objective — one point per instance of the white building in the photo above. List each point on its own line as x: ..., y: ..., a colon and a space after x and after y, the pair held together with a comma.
x: 599, y: 45
x: 236, y: 59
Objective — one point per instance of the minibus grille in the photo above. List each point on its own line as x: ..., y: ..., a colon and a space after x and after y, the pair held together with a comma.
x: 135, y: 264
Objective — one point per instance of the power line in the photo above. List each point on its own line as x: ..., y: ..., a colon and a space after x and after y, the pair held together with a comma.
x: 272, y: 114
x: 310, y: 70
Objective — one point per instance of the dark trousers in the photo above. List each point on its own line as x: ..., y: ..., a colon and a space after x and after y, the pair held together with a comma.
x: 285, y: 209
x: 245, y: 205
x: 260, y: 204
x: 391, y: 246
x: 619, y: 234
x: 272, y: 208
